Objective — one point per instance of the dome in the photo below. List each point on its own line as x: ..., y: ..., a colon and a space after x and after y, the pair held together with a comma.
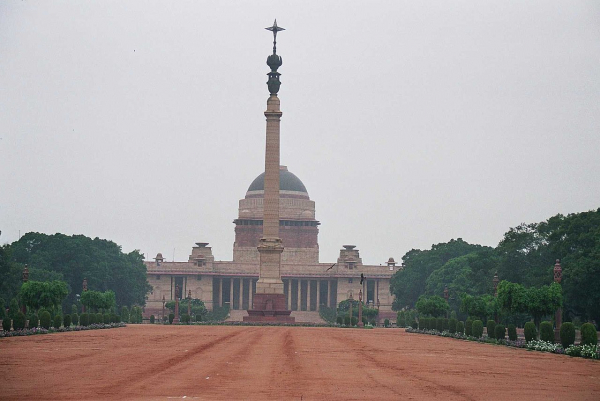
x: 287, y: 182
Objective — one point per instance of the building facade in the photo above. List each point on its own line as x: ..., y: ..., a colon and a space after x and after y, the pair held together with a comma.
x: 308, y: 283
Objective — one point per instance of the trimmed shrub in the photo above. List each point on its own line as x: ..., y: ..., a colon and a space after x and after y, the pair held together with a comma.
x: 423, y: 323
x: 199, y: 318
x: 446, y: 324
x: 185, y: 318
x: 45, y: 319
x: 477, y: 328
x: 84, y: 320
x: 512, y: 332
x: 91, y: 318
x: 75, y: 319
x: 152, y: 319
x: 125, y: 314
x: 452, y: 325
x: 6, y: 323
x: 469, y: 327
x: 530, y: 331
x: 354, y: 320
x: 57, y: 321
x: 546, y: 332
x: 172, y: 316
x: 117, y: 318
x: 107, y: 318
x: 33, y: 321
x: 589, y: 336
x: 401, y: 319
x: 19, y: 321
x: 339, y: 320
x: 67, y: 321
x: 567, y: 334
x: 500, y: 332
x: 386, y: 323
x: 460, y: 327
x: 99, y: 318
x: 491, y: 325
x: 414, y: 324
x: 439, y: 324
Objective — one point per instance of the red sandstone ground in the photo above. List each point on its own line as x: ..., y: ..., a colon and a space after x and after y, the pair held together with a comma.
x: 291, y: 363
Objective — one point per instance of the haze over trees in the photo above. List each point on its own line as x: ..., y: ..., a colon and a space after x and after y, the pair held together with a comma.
x: 524, y: 259
x: 59, y: 257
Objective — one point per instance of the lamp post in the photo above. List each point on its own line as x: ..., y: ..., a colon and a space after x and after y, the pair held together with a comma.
x: 496, y: 280
x: 558, y: 314
x: 350, y: 299
x: 25, y: 279
x: 360, y: 295
x: 84, y: 290
x: 189, y: 298
x: 176, y: 318
x: 163, y: 312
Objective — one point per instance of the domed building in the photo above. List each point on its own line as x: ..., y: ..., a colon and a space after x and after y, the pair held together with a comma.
x: 308, y: 283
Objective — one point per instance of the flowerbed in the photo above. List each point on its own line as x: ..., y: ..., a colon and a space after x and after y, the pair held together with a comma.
x: 39, y: 330
x: 584, y: 351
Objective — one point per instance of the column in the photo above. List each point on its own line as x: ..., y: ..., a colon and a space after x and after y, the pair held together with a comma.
x: 241, y: 293
x: 299, y: 295
x: 231, y: 293
x: 220, y: 291
x: 318, y: 294
x: 308, y: 295
x: 329, y: 293
x: 290, y: 294
x: 250, y: 293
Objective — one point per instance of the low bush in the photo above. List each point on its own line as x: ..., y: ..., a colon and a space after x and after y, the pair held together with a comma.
x: 151, y: 319
x: 414, y: 324
x: 185, y: 318
x: 469, y: 327
x: 500, y: 332
x: 567, y: 334
x: 452, y: 325
x: 171, y: 318
x: 67, y: 321
x: 530, y: 331
x: 512, y: 332
x: 339, y: 320
x: 401, y: 320
x: 460, y: 327
x: 439, y: 324
x: 84, y: 320
x: 33, y: 321
x: 446, y: 324
x: 19, y: 321
x: 106, y: 318
x: 125, y: 314
x: 423, y: 324
x: 199, y: 318
x: 589, y: 336
x: 386, y: 323
x: 45, y: 319
x: 57, y: 321
x: 6, y: 323
x: 546, y: 332
x: 477, y: 329
x: 491, y: 325
x: 354, y: 320
x: 75, y: 319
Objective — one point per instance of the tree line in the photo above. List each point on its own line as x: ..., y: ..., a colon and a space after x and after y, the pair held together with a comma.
x: 524, y: 261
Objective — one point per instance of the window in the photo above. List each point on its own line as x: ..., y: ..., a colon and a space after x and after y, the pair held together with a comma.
x: 158, y: 276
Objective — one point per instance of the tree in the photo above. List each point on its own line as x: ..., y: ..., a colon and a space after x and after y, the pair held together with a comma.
x: 36, y: 294
x: 96, y: 300
x: 434, y: 305
x: 536, y: 301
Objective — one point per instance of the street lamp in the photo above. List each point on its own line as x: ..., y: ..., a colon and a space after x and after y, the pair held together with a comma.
x: 360, y: 295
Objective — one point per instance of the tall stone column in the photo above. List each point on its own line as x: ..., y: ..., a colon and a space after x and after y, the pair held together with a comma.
x: 269, y: 300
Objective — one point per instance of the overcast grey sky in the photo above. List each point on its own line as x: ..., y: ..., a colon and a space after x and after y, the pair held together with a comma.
x: 410, y: 123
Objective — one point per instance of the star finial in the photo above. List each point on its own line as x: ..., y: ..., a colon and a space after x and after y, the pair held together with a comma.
x: 275, y: 29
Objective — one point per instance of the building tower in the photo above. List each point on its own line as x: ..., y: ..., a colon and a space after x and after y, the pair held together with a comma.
x: 269, y: 303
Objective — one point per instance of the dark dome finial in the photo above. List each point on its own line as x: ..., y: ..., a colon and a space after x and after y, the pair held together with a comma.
x: 274, y: 62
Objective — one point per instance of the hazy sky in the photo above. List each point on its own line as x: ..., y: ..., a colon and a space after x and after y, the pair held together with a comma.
x: 410, y: 123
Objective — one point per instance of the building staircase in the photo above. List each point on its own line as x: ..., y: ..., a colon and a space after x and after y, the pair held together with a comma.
x: 301, y: 317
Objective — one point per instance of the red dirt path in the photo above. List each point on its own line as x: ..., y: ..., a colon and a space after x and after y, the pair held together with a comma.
x: 291, y: 363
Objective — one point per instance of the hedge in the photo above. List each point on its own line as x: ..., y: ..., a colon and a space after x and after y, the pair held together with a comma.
x: 567, y: 334
x: 546, y: 332
x: 67, y: 321
x: 19, y: 321
x: 45, y: 319
x: 33, y: 321
x: 171, y: 318
x: 439, y: 324
x: 75, y: 319
x: 84, y: 319
x: 491, y: 325
x: 6, y: 323
x: 460, y: 327
x: 57, y: 321
x: 589, y: 336
x: 512, y: 332
x: 452, y: 325
x: 530, y: 331
x: 469, y: 327
x: 152, y: 319
x: 477, y: 329
x: 500, y: 332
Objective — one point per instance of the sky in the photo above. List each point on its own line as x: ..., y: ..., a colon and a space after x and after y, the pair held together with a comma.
x: 410, y: 123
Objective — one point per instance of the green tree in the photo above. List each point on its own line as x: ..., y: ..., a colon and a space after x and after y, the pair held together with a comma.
x: 434, y: 305
x: 36, y: 294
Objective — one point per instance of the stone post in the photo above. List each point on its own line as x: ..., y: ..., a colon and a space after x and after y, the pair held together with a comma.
x: 558, y: 314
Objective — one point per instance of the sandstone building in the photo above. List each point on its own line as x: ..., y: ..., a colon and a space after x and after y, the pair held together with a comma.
x: 308, y: 284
